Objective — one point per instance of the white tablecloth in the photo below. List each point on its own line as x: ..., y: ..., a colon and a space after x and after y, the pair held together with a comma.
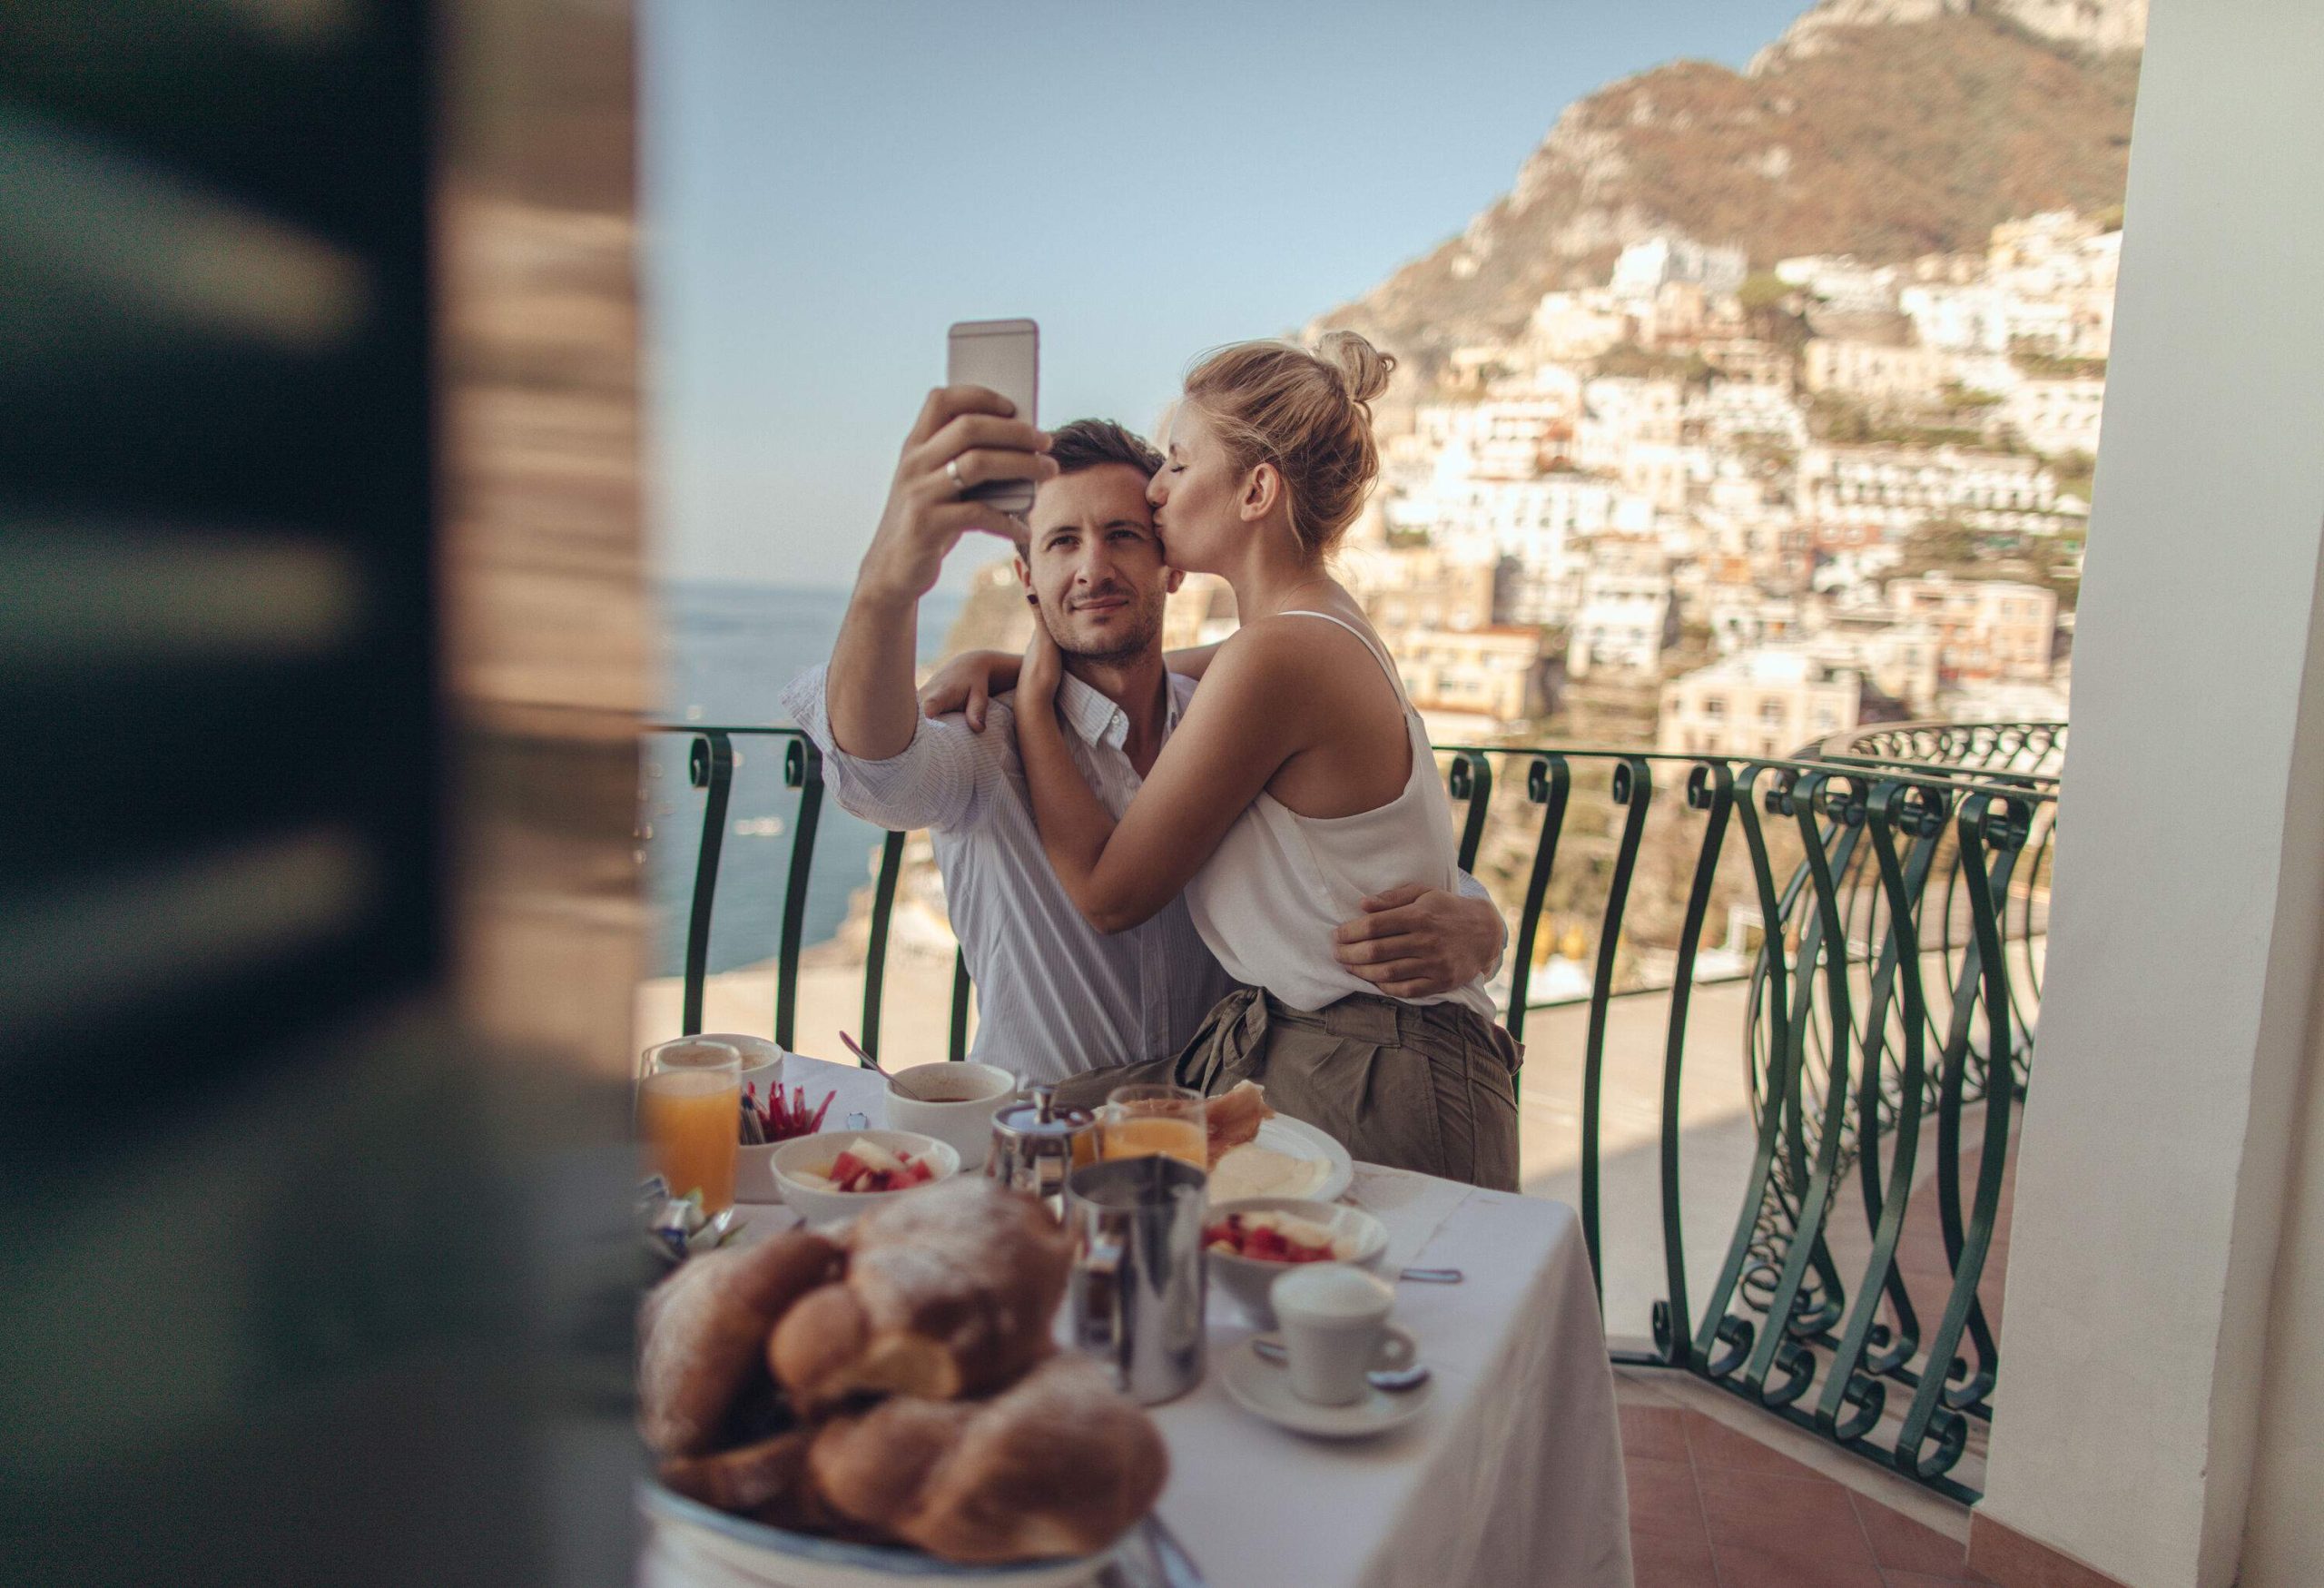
x: 1513, y: 1477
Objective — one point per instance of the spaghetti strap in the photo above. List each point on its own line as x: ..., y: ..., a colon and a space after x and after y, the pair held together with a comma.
x: 1379, y: 652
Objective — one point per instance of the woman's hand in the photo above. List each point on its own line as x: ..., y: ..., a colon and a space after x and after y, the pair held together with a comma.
x: 970, y: 680
x: 1042, y: 671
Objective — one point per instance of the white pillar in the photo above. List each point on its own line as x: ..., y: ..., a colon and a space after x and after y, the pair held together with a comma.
x: 2191, y: 863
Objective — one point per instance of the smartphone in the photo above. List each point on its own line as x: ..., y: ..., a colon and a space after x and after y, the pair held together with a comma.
x: 1004, y: 355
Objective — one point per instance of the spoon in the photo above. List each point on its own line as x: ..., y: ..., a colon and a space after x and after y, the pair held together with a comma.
x: 1391, y: 1379
x: 910, y: 1089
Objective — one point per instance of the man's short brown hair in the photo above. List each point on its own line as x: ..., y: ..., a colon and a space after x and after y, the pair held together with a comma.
x: 1087, y: 443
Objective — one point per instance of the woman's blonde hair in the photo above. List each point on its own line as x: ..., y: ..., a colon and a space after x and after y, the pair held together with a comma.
x: 1307, y: 413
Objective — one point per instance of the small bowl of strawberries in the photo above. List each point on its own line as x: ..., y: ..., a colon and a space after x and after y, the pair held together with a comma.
x: 1256, y: 1241
x: 832, y: 1177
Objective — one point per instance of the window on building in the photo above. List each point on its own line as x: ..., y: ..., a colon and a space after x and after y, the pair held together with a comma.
x: 1715, y: 708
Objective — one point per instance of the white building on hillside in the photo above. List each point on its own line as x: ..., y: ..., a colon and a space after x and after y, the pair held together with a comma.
x: 1765, y: 702
x: 1842, y: 282
x: 1644, y: 268
x: 1474, y: 682
x: 1625, y: 621
x: 1730, y: 412
x: 2056, y: 416
x: 1877, y: 373
x: 1899, y: 659
x: 1899, y: 489
x: 1578, y: 325
x: 1987, y: 628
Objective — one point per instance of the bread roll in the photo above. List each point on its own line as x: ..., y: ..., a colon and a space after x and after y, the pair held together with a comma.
x: 747, y: 1480
x: 1061, y: 1465
x: 948, y: 1293
x: 872, y: 1466
x: 705, y: 1332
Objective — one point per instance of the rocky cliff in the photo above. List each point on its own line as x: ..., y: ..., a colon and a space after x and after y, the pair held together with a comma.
x: 1882, y: 128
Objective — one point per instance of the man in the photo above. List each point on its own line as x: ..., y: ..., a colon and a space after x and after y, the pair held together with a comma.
x: 1057, y: 1000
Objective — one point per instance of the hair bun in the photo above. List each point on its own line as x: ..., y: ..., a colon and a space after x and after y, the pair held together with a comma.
x: 1363, y: 369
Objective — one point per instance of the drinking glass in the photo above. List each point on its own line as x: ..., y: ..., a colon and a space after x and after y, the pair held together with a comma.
x: 1145, y: 1121
x: 690, y: 1113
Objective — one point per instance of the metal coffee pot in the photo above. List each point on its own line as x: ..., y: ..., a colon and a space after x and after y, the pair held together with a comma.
x: 1036, y: 1144
x: 1136, y: 1299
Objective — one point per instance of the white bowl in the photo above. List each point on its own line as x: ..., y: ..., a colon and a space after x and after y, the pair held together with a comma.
x: 1248, y: 1279
x: 762, y: 1059
x: 817, y: 1152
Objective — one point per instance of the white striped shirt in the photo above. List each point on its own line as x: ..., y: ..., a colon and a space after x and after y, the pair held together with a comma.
x: 1054, y: 996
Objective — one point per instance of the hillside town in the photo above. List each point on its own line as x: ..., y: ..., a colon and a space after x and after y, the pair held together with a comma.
x: 1722, y: 511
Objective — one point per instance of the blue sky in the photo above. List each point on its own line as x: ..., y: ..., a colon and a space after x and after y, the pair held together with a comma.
x: 828, y: 183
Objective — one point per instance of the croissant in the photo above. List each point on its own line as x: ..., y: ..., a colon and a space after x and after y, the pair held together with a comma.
x: 1059, y: 1464
x: 948, y: 1293
x: 704, y: 1336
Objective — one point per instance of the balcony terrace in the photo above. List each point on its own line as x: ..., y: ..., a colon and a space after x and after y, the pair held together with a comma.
x: 1808, y: 1131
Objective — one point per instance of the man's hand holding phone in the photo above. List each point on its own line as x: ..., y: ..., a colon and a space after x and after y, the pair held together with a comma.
x: 966, y: 436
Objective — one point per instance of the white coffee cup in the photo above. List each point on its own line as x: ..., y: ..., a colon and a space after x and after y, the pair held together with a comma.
x: 954, y: 1102
x: 1336, y: 1329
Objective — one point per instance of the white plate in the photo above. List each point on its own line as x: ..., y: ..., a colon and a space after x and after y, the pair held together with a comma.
x: 779, y: 1558
x: 1298, y: 1138
x: 1263, y: 1390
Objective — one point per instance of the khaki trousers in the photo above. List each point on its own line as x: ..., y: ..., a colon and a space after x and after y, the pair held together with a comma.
x: 1430, y: 1086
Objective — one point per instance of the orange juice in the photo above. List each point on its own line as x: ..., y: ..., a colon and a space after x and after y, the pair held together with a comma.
x: 692, y: 1122
x: 1156, y: 1136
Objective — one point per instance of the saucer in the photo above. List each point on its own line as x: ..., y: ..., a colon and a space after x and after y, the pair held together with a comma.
x: 1263, y: 1390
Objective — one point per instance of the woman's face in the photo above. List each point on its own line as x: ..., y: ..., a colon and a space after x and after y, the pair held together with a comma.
x: 1197, y: 496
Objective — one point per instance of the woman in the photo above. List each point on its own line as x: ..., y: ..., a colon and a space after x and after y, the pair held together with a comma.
x: 1298, y: 782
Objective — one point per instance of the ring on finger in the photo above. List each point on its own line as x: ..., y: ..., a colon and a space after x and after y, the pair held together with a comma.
x: 952, y: 467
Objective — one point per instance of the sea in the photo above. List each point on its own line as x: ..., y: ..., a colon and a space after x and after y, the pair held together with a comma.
x: 729, y: 650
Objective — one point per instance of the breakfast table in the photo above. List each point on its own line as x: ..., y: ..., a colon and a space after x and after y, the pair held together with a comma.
x: 1512, y: 1476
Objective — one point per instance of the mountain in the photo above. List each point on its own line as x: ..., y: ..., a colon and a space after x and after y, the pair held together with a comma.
x: 1882, y: 128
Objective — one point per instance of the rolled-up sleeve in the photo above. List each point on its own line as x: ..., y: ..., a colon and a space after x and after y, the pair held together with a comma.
x: 940, y: 780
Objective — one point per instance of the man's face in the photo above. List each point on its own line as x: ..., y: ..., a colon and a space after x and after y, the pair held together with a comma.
x: 1095, y: 563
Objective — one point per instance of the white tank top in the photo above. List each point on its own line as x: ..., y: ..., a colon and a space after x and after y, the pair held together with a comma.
x: 1267, y: 901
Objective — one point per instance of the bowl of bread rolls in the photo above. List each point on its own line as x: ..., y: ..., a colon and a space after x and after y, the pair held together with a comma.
x: 885, y: 1402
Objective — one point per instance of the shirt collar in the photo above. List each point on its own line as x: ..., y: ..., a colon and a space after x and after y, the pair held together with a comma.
x: 1097, y: 719
x: 1100, y: 721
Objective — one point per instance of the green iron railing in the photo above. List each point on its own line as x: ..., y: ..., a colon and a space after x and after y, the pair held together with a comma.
x: 1899, y: 878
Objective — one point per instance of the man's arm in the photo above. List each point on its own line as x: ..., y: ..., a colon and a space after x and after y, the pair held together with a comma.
x: 939, y: 780
x: 1194, y: 661
x: 965, y: 436
x: 1412, y: 942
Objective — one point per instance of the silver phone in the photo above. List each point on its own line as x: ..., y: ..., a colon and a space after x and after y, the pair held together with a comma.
x: 1004, y: 355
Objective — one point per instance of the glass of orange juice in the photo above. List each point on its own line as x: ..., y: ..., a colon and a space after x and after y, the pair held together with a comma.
x: 1145, y: 1121
x: 690, y: 1115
